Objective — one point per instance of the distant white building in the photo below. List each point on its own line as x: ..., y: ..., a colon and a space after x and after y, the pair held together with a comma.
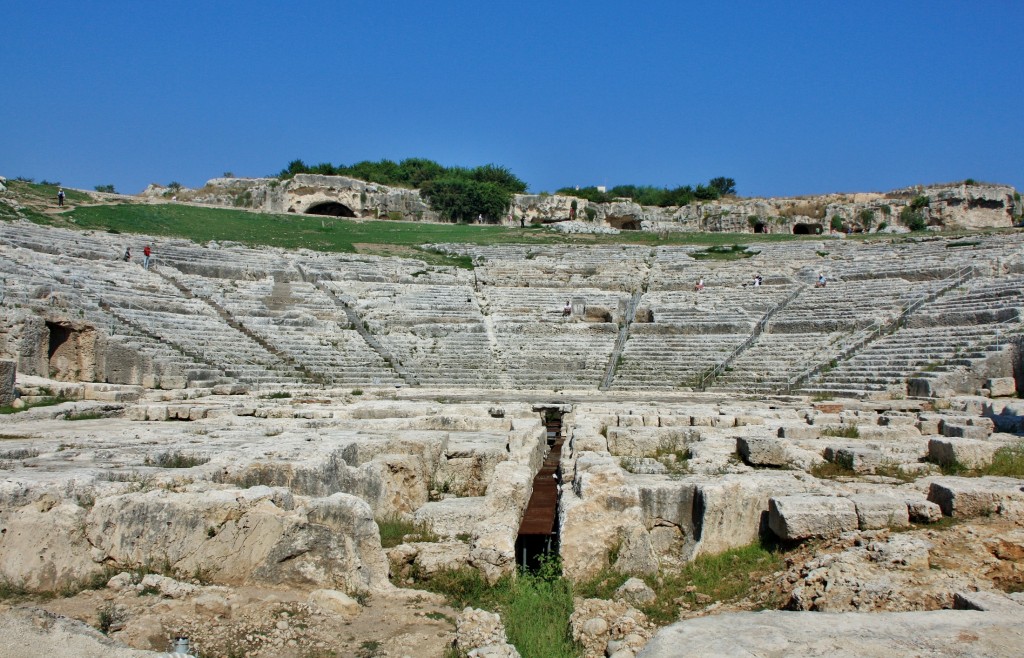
x: 602, y: 189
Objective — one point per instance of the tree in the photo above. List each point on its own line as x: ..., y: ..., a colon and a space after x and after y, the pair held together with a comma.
x: 105, y: 188
x: 462, y: 200
x: 725, y: 186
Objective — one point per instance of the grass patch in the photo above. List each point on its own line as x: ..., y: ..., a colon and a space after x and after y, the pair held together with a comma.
x: 831, y: 471
x: 728, y: 576
x: 1007, y: 461
x: 84, y: 415
x: 22, y: 453
x: 276, y: 395
x: 725, y: 252
x: 394, y: 531
x: 45, y: 402
x: 843, y: 432
x: 175, y: 459
x: 535, y: 607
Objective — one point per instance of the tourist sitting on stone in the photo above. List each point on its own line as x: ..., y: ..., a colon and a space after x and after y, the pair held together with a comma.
x: 821, y: 280
x: 700, y: 285
x: 567, y: 309
x: 757, y: 280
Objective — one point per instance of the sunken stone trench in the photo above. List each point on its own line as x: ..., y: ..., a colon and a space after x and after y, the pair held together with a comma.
x: 274, y: 453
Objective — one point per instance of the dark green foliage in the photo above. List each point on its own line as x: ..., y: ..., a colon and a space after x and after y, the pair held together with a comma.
x: 837, y: 223
x: 867, y: 218
x: 463, y: 200
x: 105, y: 188
x: 648, y: 195
x: 459, y: 194
x: 912, y: 218
x: 919, y: 202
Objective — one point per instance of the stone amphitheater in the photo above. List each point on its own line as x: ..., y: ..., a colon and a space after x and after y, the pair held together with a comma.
x: 238, y: 422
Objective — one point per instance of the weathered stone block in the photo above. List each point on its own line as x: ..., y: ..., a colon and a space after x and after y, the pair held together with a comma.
x: 860, y: 460
x: 875, y: 511
x: 806, y: 515
x: 970, y: 453
x: 799, y: 432
x: 969, y: 497
x: 970, y: 428
x: 1002, y: 387
x: 8, y: 369
x: 762, y: 451
x: 923, y: 511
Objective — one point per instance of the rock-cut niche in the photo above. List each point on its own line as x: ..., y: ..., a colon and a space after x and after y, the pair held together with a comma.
x: 331, y: 209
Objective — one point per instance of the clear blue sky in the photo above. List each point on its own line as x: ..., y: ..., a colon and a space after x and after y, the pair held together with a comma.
x: 786, y: 97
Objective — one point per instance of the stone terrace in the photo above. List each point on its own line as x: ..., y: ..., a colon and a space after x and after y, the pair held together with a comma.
x: 223, y: 313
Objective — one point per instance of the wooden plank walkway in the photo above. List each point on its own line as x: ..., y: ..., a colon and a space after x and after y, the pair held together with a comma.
x: 539, y: 518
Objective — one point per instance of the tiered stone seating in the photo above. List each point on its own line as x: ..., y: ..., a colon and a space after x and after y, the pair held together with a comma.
x: 300, y: 321
x: 608, y: 267
x: 665, y: 361
x: 436, y: 331
x: 947, y: 331
x: 556, y: 355
x: 774, y: 360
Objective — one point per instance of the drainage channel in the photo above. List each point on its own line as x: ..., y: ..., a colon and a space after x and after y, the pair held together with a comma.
x: 538, y: 532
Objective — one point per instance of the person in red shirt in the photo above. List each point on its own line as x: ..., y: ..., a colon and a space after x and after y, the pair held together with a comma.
x: 145, y: 256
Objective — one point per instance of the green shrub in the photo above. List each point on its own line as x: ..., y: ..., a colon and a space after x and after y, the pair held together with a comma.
x: 175, y: 459
x: 867, y: 218
x: 394, y: 530
x: 912, y: 218
x: 105, y: 188
x: 837, y: 223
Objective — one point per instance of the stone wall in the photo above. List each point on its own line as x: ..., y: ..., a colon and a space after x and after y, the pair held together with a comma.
x: 950, y: 206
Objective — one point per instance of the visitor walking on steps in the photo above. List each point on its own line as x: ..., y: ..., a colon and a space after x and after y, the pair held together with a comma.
x: 60, y: 198
x: 127, y: 254
x: 146, y: 253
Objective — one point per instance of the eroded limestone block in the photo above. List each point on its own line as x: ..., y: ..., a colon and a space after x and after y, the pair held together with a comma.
x: 807, y: 515
x: 452, y: 516
x: 762, y: 451
x: 646, y: 441
x: 970, y: 453
x: 800, y: 432
x: 8, y: 370
x: 961, y: 497
x: 877, y: 511
x: 1001, y: 387
x: 43, y: 545
x: 969, y: 428
x: 334, y: 601
x: 923, y: 511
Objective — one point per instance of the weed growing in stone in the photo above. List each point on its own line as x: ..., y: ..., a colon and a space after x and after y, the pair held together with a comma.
x: 843, y: 431
x: 395, y: 530
x: 175, y: 459
x: 728, y: 576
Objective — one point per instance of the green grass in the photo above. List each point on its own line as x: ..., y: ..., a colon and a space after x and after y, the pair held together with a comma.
x: 831, y: 470
x: 843, y: 432
x: 37, y: 193
x: 535, y: 607
x: 175, y: 459
x: 728, y: 576
x: 1007, y: 461
x: 394, y: 529
x: 724, y: 252
x: 45, y: 402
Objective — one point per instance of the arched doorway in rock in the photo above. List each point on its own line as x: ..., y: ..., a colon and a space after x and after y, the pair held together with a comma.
x: 807, y: 229
x: 70, y: 352
x: 760, y: 227
x: 330, y: 209
x: 624, y: 223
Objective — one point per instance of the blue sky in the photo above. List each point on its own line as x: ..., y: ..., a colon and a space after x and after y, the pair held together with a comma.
x: 788, y: 98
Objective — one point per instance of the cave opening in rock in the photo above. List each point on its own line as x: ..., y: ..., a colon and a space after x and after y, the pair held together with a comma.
x: 62, y: 353
x: 331, y: 209
x: 760, y: 227
x: 807, y: 229
x: 624, y: 223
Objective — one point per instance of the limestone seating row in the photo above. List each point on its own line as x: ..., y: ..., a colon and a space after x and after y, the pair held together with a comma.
x: 667, y: 361
x: 302, y: 323
x: 514, y: 305
x: 890, y: 360
x: 775, y: 359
